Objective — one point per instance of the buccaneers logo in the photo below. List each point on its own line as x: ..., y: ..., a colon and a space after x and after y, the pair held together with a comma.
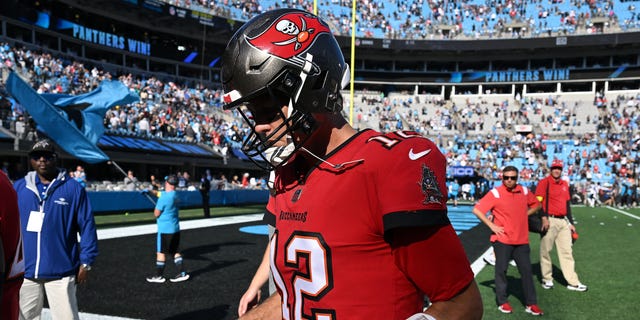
x: 430, y: 187
x: 290, y: 35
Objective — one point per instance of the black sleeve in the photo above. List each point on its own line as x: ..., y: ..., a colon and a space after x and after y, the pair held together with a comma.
x: 269, y: 218
x: 402, y: 219
x: 569, y: 215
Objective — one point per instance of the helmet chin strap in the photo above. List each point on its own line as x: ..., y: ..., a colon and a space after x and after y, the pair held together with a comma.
x: 338, y: 166
x: 308, y: 64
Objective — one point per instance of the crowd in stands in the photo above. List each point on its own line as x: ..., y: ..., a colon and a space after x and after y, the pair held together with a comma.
x: 185, y: 182
x: 605, y: 158
x: 166, y: 109
x: 455, y: 19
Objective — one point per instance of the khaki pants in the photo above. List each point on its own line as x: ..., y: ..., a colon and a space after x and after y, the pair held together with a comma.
x: 61, y: 294
x: 560, y: 234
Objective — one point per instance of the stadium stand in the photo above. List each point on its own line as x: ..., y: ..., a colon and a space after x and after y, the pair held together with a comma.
x: 593, y: 126
x: 458, y: 19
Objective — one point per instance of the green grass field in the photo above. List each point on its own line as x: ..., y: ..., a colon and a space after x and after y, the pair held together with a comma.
x: 607, y: 258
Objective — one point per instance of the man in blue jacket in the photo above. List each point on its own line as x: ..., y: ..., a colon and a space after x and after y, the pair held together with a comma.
x: 54, y: 210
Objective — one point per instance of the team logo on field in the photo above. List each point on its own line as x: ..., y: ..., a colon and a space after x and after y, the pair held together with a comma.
x: 429, y: 186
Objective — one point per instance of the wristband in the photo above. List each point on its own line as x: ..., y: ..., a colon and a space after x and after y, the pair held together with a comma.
x: 421, y: 316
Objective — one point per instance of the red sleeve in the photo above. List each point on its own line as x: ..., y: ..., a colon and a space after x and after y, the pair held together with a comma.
x: 541, y: 188
x: 433, y: 259
x: 411, y: 176
x: 486, y: 203
x: 532, y: 201
x: 410, y: 181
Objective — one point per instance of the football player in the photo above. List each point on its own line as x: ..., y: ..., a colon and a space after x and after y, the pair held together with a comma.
x: 361, y: 218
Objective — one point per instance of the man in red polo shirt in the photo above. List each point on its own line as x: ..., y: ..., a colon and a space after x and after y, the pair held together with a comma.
x: 510, y: 206
x: 553, y: 192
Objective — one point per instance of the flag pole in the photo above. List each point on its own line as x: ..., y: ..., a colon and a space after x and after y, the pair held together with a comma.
x: 111, y: 162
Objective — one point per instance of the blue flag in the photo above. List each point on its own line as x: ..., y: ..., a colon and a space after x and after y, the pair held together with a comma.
x: 75, y: 123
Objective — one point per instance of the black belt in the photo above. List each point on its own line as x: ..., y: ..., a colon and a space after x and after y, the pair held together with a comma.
x: 556, y: 216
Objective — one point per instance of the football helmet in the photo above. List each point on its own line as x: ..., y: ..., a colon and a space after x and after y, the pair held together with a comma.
x: 284, y: 57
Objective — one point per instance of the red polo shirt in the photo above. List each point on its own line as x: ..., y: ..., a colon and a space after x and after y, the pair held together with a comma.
x: 509, y: 209
x: 558, y: 195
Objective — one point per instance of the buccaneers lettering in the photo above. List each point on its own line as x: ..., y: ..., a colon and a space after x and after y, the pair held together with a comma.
x: 293, y: 216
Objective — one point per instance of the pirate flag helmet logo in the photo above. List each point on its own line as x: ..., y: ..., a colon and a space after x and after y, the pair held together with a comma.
x: 290, y: 35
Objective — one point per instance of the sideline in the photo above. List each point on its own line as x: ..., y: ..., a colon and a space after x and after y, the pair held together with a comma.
x: 121, y: 232
x: 624, y: 212
x: 479, y: 264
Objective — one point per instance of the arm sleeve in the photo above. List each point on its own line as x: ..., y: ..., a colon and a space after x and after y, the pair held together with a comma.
x: 433, y: 259
x: 569, y: 215
x: 87, y: 229
x: 269, y: 216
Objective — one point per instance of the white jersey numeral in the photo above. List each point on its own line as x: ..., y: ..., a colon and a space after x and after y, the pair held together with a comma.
x: 313, y: 278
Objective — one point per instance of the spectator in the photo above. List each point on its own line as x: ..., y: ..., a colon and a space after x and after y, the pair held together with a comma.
x: 130, y: 181
x: 245, y: 180
x: 80, y: 176
x: 53, y: 206
x: 155, y: 184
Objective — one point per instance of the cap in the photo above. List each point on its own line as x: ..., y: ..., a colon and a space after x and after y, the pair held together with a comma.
x: 171, y: 179
x: 42, y: 146
x: 557, y: 163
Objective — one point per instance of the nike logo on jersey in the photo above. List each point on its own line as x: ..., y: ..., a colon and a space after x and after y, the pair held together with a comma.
x: 416, y: 156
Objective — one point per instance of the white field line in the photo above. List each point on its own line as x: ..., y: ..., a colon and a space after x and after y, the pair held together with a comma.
x: 624, y: 212
x: 121, y: 232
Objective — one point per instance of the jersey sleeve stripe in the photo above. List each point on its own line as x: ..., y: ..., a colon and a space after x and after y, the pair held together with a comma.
x: 415, y: 218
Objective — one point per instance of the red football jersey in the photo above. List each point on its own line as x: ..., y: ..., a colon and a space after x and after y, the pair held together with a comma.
x: 12, y: 246
x: 329, y: 256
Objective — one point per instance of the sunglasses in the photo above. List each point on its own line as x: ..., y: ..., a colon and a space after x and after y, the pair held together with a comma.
x: 514, y: 178
x: 46, y: 156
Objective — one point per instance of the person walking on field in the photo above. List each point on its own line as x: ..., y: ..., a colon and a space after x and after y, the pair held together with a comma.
x: 360, y: 217
x: 168, y: 240
x: 553, y: 193
x: 510, y: 206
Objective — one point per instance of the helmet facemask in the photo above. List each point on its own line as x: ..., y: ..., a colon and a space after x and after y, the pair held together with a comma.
x: 265, y: 107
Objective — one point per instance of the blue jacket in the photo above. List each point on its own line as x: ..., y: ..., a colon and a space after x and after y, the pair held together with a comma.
x: 54, y: 252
